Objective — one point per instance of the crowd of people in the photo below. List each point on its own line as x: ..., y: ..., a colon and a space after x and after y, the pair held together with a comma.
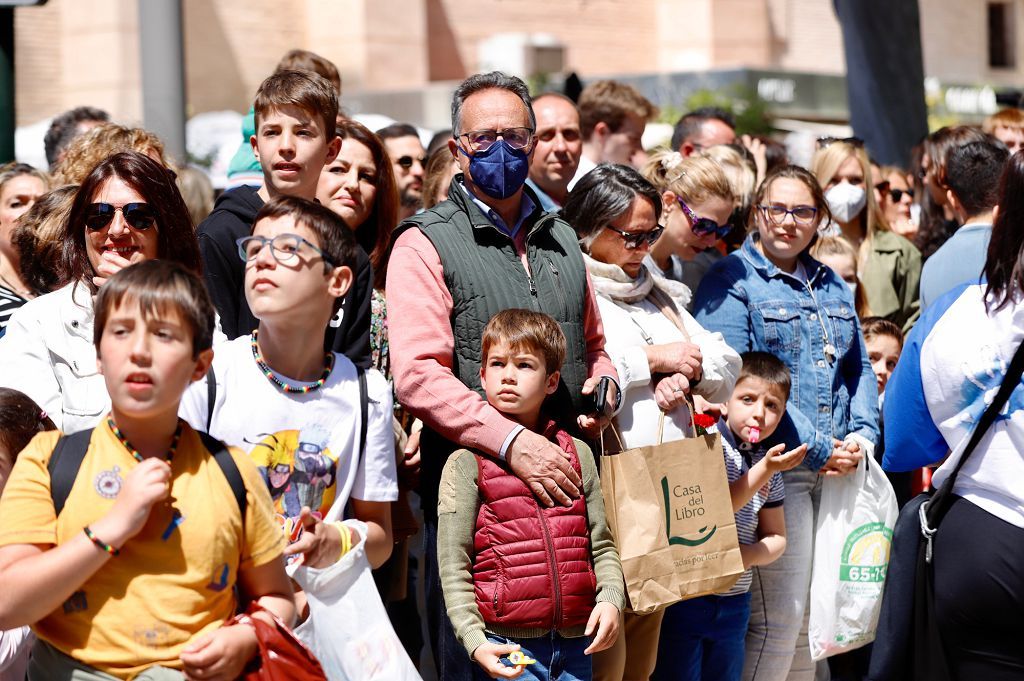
x: 364, y: 339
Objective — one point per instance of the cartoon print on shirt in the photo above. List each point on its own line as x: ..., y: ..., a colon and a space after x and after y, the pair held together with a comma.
x: 298, y: 468
x: 108, y: 483
x: 984, y: 373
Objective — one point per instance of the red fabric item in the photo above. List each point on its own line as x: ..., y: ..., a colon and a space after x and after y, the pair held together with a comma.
x: 282, y: 656
x: 532, y: 564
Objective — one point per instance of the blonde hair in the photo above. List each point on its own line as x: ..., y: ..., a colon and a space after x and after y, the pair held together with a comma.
x: 197, y: 190
x: 740, y: 172
x: 90, y: 148
x: 9, y: 171
x: 825, y: 164
x: 840, y: 246
x: 694, y: 179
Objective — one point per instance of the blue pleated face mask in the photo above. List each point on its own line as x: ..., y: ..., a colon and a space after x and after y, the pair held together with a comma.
x: 500, y: 171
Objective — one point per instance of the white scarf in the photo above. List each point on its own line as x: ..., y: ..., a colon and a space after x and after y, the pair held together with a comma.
x: 612, y: 282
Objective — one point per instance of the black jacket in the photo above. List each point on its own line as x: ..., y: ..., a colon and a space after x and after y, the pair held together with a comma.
x: 224, y: 272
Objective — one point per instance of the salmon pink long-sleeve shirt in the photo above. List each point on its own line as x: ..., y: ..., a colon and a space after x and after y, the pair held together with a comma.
x: 422, y: 343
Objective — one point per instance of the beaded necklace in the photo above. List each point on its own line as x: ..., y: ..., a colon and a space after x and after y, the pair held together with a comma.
x: 302, y: 390
x: 134, y: 452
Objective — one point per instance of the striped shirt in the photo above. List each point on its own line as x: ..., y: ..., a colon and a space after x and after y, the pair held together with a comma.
x: 9, y: 302
x: 739, y: 458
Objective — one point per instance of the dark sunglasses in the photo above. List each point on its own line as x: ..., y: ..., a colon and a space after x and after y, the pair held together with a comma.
x: 897, y: 194
x: 852, y: 141
x: 704, y: 226
x: 138, y: 215
x: 407, y: 161
x: 636, y: 239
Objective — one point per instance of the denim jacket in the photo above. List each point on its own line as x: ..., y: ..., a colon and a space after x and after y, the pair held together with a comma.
x: 757, y: 306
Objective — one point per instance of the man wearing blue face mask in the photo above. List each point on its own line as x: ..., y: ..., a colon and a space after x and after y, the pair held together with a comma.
x: 487, y: 248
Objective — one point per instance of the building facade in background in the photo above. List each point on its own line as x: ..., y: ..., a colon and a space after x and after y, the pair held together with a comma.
x: 401, y: 57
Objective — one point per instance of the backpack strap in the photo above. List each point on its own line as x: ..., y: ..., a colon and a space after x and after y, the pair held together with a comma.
x: 364, y: 410
x: 229, y: 468
x: 211, y: 395
x: 65, y: 460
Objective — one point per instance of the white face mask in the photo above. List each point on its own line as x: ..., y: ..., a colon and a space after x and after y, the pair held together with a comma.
x: 846, y: 201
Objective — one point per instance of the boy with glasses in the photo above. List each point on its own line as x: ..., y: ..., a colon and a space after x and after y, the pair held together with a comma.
x: 297, y: 411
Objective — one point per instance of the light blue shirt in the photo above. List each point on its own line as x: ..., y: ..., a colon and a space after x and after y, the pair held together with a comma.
x: 959, y: 261
x: 526, y: 208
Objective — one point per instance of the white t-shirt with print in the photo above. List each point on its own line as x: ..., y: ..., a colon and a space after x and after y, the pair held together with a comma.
x: 305, y: 445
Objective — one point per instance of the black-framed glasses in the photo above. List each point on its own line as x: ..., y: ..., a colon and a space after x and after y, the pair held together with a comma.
x: 138, y: 215
x: 481, y: 140
x: 634, y: 240
x: 828, y: 140
x: 284, y: 248
x: 703, y: 226
x: 406, y: 161
x: 897, y: 194
x: 802, y: 215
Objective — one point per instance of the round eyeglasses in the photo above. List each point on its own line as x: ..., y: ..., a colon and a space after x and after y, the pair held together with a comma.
x: 802, y: 215
x: 284, y: 248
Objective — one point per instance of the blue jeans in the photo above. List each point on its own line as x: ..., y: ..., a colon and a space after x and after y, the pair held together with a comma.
x: 558, y: 658
x: 703, y: 639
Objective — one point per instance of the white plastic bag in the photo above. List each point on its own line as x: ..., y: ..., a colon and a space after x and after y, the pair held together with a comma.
x: 851, y: 555
x: 348, y: 629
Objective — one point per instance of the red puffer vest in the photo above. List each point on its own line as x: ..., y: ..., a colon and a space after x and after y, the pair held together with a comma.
x: 532, y: 565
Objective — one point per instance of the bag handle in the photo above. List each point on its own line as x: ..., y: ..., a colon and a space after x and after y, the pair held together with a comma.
x: 933, y: 510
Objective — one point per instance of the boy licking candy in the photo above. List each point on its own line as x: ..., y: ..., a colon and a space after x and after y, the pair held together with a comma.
x: 703, y: 638
x: 520, y: 577
x: 131, y: 571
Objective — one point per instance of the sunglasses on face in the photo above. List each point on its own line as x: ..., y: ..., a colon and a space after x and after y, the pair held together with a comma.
x: 406, y: 161
x: 897, y: 194
x: 634, y: 240
x: 703, y: 226
x: 138, y: 215
x: 852, y: 141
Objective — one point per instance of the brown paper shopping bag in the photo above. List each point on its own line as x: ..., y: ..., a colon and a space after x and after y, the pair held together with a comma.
x: 669, y: 509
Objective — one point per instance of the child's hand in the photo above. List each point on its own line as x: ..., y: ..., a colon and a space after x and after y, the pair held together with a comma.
x: 776, y: 461
x: 147, y: 484
x: 488, y: 655
x: 605, y: 618
x: 320, y: 543
x: 220, y: 655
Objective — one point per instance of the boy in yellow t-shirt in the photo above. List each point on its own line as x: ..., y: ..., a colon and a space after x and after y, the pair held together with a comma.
x: 134, y: 577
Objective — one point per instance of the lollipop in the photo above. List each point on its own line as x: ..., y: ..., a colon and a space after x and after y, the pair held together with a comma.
x: 755, y: 434
x: 518, y: 657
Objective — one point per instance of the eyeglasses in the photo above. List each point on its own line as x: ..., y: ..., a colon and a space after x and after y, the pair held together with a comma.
x: 284, y: 248
x: 704, y: 226
x: 802, y: 215
x: 481, y: 140
x: 636, y: 239
x: 138, y: 215
x: 852, y: 141
x: 407, y: 161
x: 897, y: 194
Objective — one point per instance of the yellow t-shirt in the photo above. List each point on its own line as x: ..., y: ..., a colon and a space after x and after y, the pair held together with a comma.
x: 172, y: 581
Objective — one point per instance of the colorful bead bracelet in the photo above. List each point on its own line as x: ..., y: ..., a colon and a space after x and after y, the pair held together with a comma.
x: 99, y: 542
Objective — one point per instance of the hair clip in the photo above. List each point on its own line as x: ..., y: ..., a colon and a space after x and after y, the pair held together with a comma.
x: 42, y: 415
x: 672, y: 161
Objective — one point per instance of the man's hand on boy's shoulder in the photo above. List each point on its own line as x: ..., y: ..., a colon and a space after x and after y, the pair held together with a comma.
x: 544, y: 467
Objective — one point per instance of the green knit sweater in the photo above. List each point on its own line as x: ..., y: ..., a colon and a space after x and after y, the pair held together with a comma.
x: 456, y: 521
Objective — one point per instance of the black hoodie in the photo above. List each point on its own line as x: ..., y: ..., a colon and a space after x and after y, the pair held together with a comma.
x: 224, y: 272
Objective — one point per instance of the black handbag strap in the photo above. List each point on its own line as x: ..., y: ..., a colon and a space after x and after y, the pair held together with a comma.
x: 942, y: 498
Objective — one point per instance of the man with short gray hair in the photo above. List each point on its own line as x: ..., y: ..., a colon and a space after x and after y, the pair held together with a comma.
x: 487, y: 248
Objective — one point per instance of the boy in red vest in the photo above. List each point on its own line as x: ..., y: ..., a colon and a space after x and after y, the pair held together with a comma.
x: 526, y: 586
